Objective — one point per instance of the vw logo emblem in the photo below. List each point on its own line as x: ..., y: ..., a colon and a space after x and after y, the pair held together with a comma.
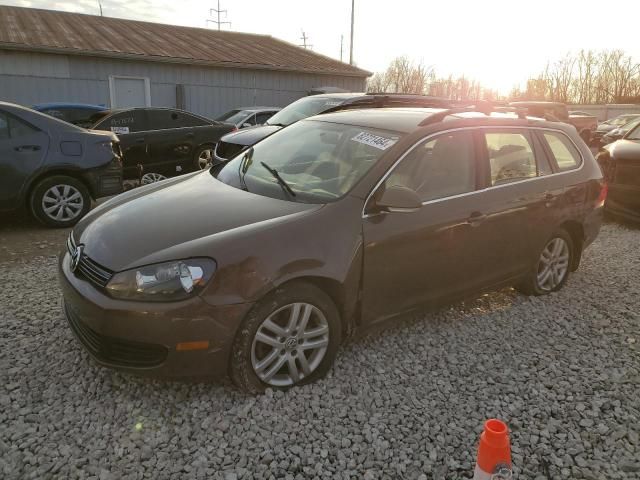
x: 75, y: 257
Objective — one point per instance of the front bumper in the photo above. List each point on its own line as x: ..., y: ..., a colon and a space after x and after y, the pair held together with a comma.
x: 141, y: 337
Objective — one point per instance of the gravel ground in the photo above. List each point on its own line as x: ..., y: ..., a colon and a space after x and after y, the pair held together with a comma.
x: 563, y: 371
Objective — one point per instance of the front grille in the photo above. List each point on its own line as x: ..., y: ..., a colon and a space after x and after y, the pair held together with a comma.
x: 87, y: 268
x: 228, y: 150
x: 115, y: 351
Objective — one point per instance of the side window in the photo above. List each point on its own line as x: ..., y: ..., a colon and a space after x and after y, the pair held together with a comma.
x: 251, y: 120
x: 122, y: 123
x: 511, y: 157
x: 263, y: 117
x: 4, y: 127
x: 565, y: 153
x: 439, y: 167
x: 18, y: 128
x: 166, y: 119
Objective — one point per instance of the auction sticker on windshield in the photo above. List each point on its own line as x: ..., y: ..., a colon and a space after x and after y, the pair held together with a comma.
x: 372, y: 140
x: 120, y: 130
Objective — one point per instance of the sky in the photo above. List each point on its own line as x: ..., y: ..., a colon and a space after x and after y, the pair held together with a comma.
x: 497, y: 42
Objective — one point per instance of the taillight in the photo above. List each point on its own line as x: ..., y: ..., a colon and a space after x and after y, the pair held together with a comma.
x: 602, y: 197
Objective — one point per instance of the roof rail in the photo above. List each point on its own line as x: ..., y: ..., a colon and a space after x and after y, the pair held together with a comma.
x: 481, y: 106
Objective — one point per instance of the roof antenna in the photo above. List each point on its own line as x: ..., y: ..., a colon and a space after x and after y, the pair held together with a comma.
x: 100, y: 5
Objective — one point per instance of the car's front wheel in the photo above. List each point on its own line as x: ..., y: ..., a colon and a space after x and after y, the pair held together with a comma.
x: 552, y: 267
x: 289, y: 338
x: 204, y: 157
x: 60, y: 201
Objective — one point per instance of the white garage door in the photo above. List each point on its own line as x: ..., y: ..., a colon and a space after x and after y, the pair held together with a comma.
x: 129, y: 92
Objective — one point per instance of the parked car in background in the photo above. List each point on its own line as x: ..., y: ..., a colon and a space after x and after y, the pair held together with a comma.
x: 79, y: 114
x: 556, y: 111
x: 612, y: 124
x: 53, y: 167
x: 259, y: 267
x: 163, y: 142
x: 618, y: 132
x: 620, y: 162
x: 248, y: 116
x: 236, y: 142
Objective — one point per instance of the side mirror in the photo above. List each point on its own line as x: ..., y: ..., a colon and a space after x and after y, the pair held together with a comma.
x: 396, y: 199
x: 245, y: 125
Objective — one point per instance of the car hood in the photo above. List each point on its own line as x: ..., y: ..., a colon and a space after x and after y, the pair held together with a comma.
x: 624, y: 150
x: 605, y: 128
x: 250, y: 136
x: 177, y: 218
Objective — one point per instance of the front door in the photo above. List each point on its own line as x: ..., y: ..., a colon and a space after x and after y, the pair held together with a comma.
x: 23, y: 149
x: 412, y: 258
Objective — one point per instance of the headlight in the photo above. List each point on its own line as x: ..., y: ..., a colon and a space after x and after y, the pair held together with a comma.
x: 163, y: 282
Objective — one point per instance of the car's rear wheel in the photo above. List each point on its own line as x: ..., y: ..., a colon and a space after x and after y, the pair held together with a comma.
x: 553, y: 266
x: 289, y: 338
x: 204, y: 157
x: 151, y: 177
x: 60, y: 201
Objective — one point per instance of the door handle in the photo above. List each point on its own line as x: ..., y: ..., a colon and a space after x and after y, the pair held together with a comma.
x: 27, y: 148
x: 476, y: 218
x: 139, y: 140
x: 190, y: 135
x: 549, y: 199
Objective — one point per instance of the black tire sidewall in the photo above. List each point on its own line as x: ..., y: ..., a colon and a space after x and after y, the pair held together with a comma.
x: 241, y: 370
x: 564, y: 235
x: 35, y: 200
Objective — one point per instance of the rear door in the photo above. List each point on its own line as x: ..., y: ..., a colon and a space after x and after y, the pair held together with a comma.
x: 173, y: 140
x: 23, y: 149
x: 131, y: 127
x: 520, y: 203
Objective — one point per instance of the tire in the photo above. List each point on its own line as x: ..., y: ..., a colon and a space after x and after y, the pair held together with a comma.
x: 277, y: 307
x: 70, y: 195
x: 586, y: 136
x: 532, y: 284
x: 200, y: 155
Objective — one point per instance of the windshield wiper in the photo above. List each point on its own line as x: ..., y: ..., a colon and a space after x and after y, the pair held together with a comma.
x: 280, y: 180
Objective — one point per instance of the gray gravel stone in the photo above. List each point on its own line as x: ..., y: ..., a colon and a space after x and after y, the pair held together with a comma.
x: 408, y: 403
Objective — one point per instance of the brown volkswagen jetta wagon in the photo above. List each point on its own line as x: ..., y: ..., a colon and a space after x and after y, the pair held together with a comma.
x: 260, y: 267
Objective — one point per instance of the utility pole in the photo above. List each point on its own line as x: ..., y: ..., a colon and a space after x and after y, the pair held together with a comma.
x: 304, y: 39
x: 353, y: 6
x: 341, y: 44
x: 218, y: 12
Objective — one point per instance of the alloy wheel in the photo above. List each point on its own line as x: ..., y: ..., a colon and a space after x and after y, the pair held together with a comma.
x: 62, y: 203
x: 205, y: 158
x: 152, y: 177
x: 553, y: 265
x: 290, y: 344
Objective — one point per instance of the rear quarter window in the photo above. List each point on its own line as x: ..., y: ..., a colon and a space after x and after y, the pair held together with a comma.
x: 563, y: 151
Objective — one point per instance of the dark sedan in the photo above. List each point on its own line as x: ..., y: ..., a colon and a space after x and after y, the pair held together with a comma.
x: 234, y: 143
x: 54, y: 167
x: 162, y: 142
x: 258, y: 268
x: 620, y: 162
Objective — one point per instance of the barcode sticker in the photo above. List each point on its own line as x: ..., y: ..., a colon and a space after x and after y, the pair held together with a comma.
x: 120, y: 130
x: 375, y: 141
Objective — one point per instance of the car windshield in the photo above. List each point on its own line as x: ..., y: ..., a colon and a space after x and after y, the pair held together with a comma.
x: 232, y: 116
x: 629, y: 125
x: 317, y: 162
x: 619, y: 121
x: 303, y: 108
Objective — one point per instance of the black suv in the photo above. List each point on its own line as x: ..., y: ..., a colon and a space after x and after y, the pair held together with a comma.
x: 258, y: 267
x: 54, y: 167
x: 233, y: 143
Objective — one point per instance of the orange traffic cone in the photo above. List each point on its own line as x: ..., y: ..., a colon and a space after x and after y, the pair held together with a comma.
x: 494, y: 452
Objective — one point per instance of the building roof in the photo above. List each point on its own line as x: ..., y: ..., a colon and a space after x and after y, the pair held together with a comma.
x: 78, y: 34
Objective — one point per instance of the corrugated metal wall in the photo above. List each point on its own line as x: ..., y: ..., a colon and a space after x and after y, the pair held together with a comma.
x: 29, y: 78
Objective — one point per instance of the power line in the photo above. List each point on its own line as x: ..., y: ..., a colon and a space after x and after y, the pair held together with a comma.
x: 218, y: 12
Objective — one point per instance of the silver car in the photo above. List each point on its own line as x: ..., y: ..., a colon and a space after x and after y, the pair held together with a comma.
x: 248, y: 116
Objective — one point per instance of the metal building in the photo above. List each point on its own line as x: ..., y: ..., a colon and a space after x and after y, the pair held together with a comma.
x: 50, y: 56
